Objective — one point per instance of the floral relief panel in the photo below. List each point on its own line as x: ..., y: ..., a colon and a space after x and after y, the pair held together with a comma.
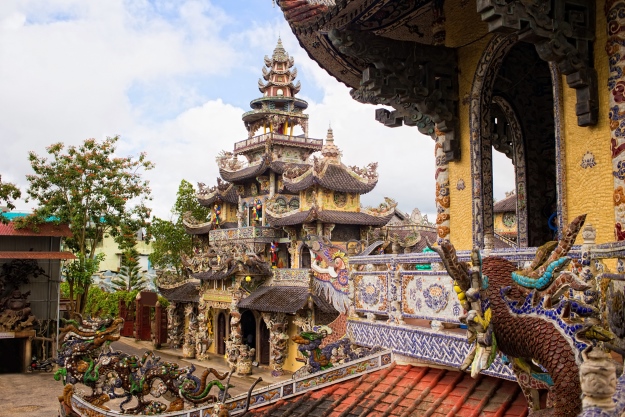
x: 429, y: 296
x: 370, y: 293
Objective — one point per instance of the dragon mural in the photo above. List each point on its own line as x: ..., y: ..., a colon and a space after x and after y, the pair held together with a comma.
x: 330, y: 267
x: 536, y: 317
x: 87, y: 358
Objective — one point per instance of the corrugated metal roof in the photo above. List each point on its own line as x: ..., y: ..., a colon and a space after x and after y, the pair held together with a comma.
x: 36, y: 255
x: 45, y: 229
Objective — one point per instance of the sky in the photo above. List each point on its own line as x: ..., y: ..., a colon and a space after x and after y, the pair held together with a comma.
x: 172, y: 79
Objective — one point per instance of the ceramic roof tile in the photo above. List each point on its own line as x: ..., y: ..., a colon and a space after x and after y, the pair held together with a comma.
x: 283, y: 299
x: 331, y: 216
x: 245, y: 173
x: 407, y: 390
x: 505, y: 205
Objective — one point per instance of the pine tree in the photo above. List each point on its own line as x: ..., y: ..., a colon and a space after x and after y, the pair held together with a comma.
x: 130, y: 276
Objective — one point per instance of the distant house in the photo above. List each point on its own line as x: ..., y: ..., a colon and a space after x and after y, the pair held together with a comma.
x: 113, y: 255
x: 505, y: 219
x: 21, y: 314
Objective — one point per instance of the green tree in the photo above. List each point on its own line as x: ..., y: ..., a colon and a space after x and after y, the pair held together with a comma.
x: 130, y: 277
x: 8, y: 193
x: 91, y: 189
x: 170, y: 236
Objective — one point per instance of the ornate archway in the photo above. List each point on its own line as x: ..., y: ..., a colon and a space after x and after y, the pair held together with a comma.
x: 534, y: 134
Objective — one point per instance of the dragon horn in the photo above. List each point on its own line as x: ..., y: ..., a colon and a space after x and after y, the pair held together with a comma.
x: 568, y: 238
x: 447, y: 252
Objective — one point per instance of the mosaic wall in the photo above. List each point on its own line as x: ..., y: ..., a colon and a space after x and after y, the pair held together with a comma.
x: 419, y: 294
x: 433, y: 346
x: 258, y: 233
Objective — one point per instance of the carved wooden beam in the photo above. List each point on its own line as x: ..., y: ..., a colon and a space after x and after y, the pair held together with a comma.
x: 563, y: 32
x: 419, y: 81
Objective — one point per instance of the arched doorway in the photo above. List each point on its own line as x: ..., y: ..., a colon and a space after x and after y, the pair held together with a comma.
x: 264, y: 343
x: 221, y: 334
x: 248, y: 328
x: 305, y: 261
x: 515, y: 86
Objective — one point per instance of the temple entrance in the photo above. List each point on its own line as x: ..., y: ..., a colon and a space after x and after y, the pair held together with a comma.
x: 221, y: 334
x: 248, y: 328
x: 516, y: 116
x: 264, y: 344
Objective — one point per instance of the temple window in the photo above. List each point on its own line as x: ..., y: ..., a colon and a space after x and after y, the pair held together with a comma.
x: 280, y: 92
x: 305, y: 261
x: 294, y: 203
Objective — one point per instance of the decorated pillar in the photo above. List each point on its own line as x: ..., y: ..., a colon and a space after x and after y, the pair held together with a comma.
x: 442, y: 188
x: 615, y: 48
x: 188, y: 348
x: 204, y: 336
x: 277, y: 323
x: 174, y: 326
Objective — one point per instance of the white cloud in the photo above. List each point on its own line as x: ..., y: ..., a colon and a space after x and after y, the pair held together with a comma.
x: 70, y: 66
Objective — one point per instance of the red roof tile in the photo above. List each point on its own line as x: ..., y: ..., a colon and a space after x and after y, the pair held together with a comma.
x: 36, y: 255
x: 45, y: 229
x: 407, y: 391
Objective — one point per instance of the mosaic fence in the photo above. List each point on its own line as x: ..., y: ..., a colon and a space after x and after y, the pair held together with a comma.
x: 291, y: 274
x: 392, y: 285
x: 432, y: 346
x: 294, y: 387
x: 268, y: 394
x: 261, y: 234
x: 421, y: 294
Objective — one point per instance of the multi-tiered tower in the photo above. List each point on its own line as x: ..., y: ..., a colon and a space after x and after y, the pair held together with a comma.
x: 277, y: 209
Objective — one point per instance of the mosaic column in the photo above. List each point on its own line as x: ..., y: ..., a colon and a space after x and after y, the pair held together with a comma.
x: 277, y: 324
x: 442, y: 188
x: 615, y: 48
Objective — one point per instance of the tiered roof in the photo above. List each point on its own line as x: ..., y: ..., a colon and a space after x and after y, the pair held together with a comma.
x: 330, y: 173
x: 278, y: 73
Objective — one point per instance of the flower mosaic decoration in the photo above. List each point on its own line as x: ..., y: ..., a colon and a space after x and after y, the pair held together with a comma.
x: 588, y: 160
x: 370, y: 293
x: 460, y: 185
x: 436, y: 297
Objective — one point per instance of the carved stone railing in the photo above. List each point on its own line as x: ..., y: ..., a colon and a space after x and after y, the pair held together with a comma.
x: 292, y: 275
x: 277, y: 138
x: 247, y: 234
x: 414, y: 285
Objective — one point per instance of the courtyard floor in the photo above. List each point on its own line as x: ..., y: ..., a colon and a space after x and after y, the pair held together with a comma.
x: 35, y: 394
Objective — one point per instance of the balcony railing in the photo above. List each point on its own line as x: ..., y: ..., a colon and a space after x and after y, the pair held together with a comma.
x: 301, y: 275
x: 277, y: 138
x: 251, y: 233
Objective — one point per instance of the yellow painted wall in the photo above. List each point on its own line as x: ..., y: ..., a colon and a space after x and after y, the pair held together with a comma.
x: 590, y: 190
x: 111, y: 252
x: 290, y: 364
x: 587, y: 190
x: 471, y: 43
x: 501, y: 228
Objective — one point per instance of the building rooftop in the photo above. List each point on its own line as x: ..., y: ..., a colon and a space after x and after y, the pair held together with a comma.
x: 406, y: 390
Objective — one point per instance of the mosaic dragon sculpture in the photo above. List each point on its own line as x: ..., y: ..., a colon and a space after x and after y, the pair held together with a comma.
x: 87, y: 358
x: 320, y: 358
x: 531, y: 317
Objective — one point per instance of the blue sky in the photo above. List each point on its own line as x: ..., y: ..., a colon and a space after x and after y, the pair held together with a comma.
x: 173, y: 77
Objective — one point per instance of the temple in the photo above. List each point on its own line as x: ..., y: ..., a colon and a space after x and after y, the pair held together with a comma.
x: 284, y: 208
x: 505, y: 309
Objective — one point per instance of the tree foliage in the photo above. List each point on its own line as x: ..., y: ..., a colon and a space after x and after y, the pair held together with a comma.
x: 92, y: 190
x: 8, y: 193
x: 170, y: 236
x: 130, y: 277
